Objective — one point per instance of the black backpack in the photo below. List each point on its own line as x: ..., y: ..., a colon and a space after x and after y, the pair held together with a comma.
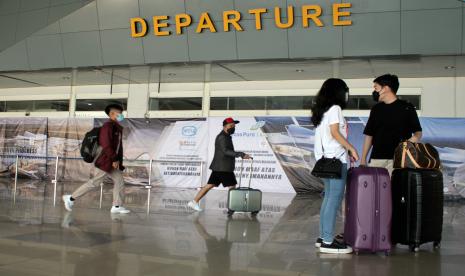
x: 90, y: 145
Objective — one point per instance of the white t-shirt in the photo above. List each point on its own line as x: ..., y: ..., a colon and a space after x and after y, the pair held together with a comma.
x: 324, y: 141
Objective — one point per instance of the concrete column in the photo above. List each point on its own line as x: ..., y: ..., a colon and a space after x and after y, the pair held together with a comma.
x: 138, y: 100
x: 72, y: 99
x: 206, y: 91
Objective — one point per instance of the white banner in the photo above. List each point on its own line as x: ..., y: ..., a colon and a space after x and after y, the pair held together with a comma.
x: 183, y: 144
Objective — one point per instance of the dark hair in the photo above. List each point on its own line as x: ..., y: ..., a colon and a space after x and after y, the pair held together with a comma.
x: 332, y: 92
x: 113, y: 106
x: 388, y: 80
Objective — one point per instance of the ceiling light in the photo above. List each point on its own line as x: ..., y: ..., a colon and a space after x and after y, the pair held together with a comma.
x: 89, y: 103
x: 448, y: 67
x: 299, y: 70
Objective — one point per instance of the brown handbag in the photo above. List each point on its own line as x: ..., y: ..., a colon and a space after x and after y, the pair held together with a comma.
x: 416, y: 156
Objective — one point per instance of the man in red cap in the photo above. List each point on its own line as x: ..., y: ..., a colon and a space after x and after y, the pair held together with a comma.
x: 223, y: 163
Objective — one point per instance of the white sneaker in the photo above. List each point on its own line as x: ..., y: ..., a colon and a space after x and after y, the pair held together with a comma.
x: 194, y: 205
x: 68, y: 203
x: 119, y: 210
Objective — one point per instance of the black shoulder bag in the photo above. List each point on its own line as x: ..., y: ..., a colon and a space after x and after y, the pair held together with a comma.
x: 327, y: 167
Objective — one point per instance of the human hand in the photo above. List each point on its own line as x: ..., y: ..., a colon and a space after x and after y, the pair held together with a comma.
x: 115, y: 165
x: 353, y: 154
x: 246, y: 156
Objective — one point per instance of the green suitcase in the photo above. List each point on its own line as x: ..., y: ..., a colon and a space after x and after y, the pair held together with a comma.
x: 244, y: 199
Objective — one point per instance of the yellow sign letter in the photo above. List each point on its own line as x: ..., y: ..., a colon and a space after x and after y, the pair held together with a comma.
x: 137, y: 21
x: 290, y: 17
x: 258, y: 17
x: 337, y: 14
x: 182, y: 20
x: 157, y: 25
x: 205, y: 22
x: 233, y: 21
x: 313, y: 16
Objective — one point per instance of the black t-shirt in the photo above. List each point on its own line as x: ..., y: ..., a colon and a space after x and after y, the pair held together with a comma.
x: 390, y: 124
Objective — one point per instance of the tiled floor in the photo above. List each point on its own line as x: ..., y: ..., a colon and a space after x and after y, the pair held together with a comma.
x: 38, y: 238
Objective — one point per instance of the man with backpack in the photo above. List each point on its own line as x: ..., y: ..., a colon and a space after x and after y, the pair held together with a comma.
x: 107, y: 158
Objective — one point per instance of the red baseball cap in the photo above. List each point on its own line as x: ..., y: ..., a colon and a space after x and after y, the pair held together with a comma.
x: 229, y: 121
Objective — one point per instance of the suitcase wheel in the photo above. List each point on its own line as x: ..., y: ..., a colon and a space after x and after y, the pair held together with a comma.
x: 387, y: 253
x: 230, y: 213
x: 437, y: 245
x: 255, y: 213
x: 356, y: 252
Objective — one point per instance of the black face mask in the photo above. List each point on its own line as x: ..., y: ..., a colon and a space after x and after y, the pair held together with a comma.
x: 375, y: 96
x: 231, y: 130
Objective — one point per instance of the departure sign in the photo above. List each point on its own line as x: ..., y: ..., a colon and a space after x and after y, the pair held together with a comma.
x: 311, y: 15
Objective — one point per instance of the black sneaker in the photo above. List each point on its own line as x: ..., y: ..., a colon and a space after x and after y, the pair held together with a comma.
x: 318, y: 242
x: 335, y: 248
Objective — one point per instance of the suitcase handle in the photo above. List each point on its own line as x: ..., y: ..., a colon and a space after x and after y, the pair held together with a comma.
x: 242, y: 169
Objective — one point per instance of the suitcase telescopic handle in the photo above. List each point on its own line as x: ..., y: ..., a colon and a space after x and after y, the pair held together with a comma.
x: 251, y: 166
x: 240, y: 173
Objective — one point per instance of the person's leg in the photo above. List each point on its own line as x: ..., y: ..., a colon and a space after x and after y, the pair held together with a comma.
x: 118, y: 195
x: 336, y: 192
x: 323, y: 205
x: 89, y: 185
x: 205, y: 189
x: 68, y: 200
x: 118, y: 181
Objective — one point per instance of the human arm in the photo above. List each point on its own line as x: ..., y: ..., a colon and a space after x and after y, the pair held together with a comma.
x: 221, y: 144
x: 334, y: 128
x: 367, y: 143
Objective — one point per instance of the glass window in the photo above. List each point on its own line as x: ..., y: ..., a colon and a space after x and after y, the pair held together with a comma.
x: 57, y: 105
x: 98, y: 104
x: 353, y: 103
x: 413, y: 99
x: 176, y: 103
x: 289, y: 102
x: 247, y: 103
x: 365, y: 102
x: 219, y: 103
x: 41, y: 105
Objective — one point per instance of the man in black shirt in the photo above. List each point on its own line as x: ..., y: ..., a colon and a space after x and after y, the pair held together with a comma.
x: 223, y: 163
x: 391, y: 121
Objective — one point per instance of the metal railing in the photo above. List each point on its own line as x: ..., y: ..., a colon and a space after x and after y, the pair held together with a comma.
x: 57, y: 159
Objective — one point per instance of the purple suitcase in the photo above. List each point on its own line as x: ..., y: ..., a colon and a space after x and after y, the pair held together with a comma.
x: 368, y: 210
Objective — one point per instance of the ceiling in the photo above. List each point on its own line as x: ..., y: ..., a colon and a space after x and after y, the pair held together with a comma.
x: 404, y: 67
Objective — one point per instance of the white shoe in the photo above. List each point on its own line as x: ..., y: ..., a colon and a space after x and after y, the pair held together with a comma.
x: 194, y: 205
x: 119, y: 210
x: 68, y: 203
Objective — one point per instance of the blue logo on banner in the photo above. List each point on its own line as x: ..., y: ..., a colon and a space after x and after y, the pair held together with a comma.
x: 189, y: 131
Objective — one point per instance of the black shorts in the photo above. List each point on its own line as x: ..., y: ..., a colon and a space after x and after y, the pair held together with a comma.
x: 226, y: 178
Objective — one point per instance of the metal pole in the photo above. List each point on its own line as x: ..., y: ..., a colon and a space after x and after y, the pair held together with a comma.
x: 54, y: 181
x: 16, y: 179
x: 101, y: 195
x: 150, y: 172
x: 148, y: 199
x: 201, y: 174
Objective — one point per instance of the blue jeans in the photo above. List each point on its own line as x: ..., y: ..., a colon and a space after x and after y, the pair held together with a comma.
x: 334, y: 192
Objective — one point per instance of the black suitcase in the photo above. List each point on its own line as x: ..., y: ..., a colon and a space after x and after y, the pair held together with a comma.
x: 417, y: 202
